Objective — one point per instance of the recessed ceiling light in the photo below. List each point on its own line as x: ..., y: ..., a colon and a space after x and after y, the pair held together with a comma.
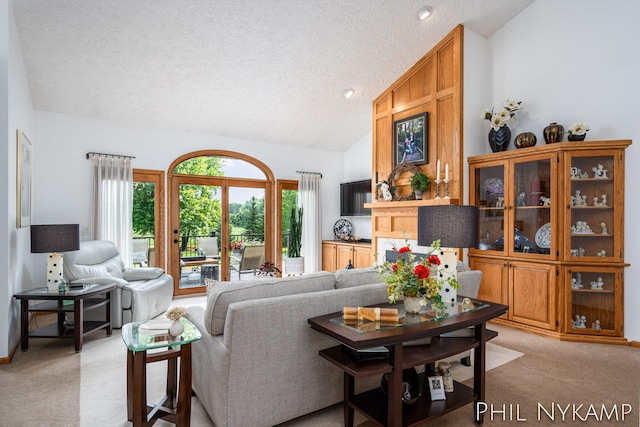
x: 348, y: 93
x: 424, y: 13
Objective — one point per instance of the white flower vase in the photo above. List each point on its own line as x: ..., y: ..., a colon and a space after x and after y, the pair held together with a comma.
x: 412, y: 305
x: 176, y: 328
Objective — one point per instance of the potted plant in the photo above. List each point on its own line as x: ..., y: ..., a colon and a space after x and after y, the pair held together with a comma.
x: 268, y: 269
x: 294, y: 263
x: 420, y: 183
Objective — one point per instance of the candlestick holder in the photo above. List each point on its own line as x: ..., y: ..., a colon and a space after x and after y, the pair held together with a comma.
x: 438, y: 181
x: 446, y: 188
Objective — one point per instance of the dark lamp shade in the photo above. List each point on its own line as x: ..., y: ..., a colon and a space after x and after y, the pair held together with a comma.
x: 455, y: 226
x: 55, y: 238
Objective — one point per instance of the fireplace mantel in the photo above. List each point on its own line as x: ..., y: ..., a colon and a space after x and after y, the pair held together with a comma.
x: 394, y: 220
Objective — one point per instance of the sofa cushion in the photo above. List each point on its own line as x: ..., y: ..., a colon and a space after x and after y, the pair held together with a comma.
x: 357, y: 277
x: 226, y: 293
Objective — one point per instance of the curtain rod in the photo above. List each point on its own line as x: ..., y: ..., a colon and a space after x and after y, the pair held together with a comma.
x: 315, y: 173
x: 112, y: 155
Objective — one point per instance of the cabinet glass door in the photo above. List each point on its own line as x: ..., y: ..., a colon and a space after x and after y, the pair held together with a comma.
x: 592, y: 201
x: 593, y: 300
x: 532, y: 194
x: 489, y: 198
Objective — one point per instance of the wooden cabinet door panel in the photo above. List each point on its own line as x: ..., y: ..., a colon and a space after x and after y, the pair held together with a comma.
x: 532, y: 296
x: 329, y: 257
x: 344, y: 253
x: 363, y: 257
x: 494, y: 279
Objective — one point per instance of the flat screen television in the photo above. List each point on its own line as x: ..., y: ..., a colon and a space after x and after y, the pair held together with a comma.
x: 353, y: 196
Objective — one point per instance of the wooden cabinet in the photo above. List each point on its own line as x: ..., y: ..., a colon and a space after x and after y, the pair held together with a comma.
x: 551, y: 237
x: 337, y: 254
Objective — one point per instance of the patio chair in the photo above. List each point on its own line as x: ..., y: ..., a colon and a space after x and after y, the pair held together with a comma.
x: 140, y: 252
x: 210, y: 247
x: 251, y: 260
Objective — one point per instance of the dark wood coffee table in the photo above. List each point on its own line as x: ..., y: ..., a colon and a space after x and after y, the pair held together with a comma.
x: 387, y: 409
x: 82, y: 299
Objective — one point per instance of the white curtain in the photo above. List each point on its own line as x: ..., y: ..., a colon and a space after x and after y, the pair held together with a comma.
x: 309, y: 200
x: 112, y: 205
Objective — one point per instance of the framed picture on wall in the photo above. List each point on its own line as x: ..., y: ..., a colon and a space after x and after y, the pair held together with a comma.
x: 410, y: 140
x: 23, y: 178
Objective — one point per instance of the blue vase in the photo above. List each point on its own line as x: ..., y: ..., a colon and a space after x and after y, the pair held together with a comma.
x: 499, y: 139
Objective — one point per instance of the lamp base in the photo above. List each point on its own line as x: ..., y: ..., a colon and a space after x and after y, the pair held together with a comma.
x: 447, y: 269
x: 54, y: 272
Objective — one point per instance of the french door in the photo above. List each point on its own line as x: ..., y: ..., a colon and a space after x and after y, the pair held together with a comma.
x: 212, y: 207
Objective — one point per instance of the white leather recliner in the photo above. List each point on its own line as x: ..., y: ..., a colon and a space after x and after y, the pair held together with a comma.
x: 141, y: 293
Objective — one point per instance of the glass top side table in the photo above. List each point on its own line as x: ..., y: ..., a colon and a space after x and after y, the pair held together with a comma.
x: 146, y: 346
x: 139, y: 339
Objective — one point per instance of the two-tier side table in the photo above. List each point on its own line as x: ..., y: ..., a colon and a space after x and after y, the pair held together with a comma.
x: 387, y: 409
x: 77, y: 300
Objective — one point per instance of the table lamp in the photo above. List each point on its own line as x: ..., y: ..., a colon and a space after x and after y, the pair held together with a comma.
x: 455, y: 227
x: 52, y: 239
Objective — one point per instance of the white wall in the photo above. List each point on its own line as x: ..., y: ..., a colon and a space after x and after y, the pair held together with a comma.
x: 357, y: 166
x: 16, y: 112
x: 571, y: 61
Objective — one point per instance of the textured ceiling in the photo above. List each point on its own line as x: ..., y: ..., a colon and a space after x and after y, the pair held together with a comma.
x: 266, y: 70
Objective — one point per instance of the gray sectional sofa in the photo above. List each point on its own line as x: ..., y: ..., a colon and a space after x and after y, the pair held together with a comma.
x: 257, y: 363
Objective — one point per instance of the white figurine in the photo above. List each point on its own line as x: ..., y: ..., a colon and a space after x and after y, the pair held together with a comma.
x: 520, y: 201
x: 595, y: 201
x: 604, y: 228
x: 576, y: 200
x: 596, y: 325
x: 581, y: 227
x: 599, y: 172
x: 597, y: 284
x: 386, y: 194
x: 579, y: 322
x: 575, y: 172
x: 500, y: 202
x: 602, y: 253
x: 546, y: 201
x: 574, y: 283
x: 579, y: 280
x: 603, y: 202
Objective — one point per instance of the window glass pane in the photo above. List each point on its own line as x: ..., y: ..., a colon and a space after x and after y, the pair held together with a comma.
x: 143, y: 221
x: 219, y: 166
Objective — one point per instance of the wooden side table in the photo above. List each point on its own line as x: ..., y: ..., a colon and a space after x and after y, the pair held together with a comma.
x: 84, y: 298
x: 387, y: 409
x: 175, y: 406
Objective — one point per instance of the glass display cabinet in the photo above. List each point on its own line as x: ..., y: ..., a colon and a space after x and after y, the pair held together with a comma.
x: 548, y: 215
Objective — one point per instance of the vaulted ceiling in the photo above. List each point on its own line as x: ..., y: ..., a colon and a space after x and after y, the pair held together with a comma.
x: 265, y: 70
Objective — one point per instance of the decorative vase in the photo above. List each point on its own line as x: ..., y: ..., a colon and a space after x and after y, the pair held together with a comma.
x: 553, y: 133
x: 524, y: 140
x: 499, y: 139
x: 176, y: 328
x: 572, y: 137
x: 412, y: 304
